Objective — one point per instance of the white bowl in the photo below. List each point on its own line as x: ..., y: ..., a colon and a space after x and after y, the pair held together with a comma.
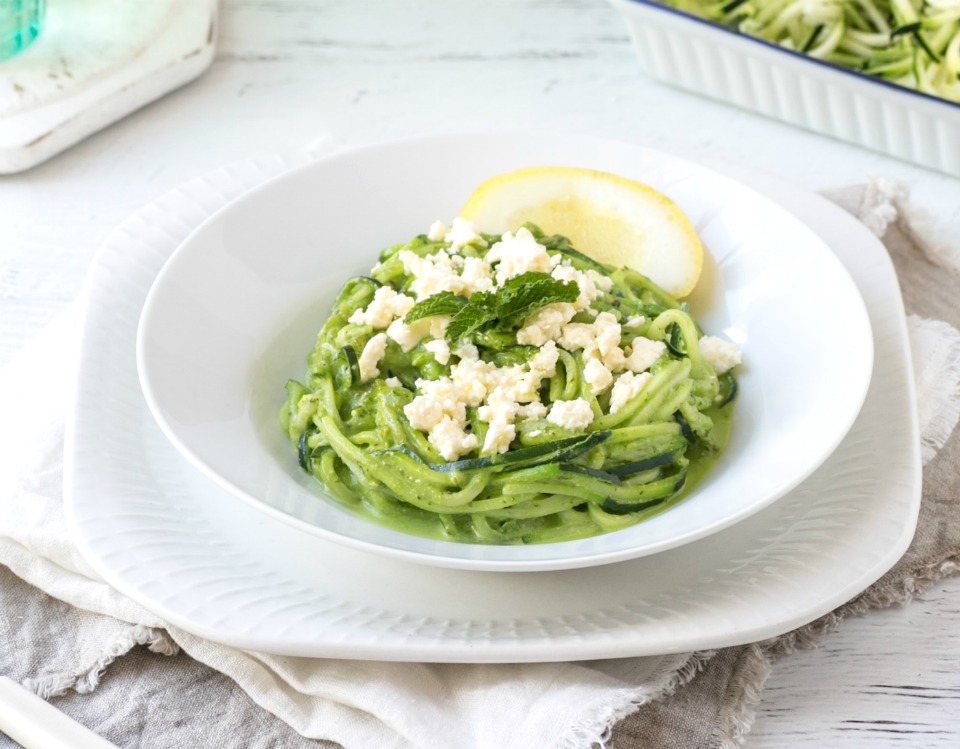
x: 236, y: 309
x: 694, y: 54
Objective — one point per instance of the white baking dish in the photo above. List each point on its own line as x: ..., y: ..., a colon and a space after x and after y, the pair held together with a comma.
x: 694, y: 54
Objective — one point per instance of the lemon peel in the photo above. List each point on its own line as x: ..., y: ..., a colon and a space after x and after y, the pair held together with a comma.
x: 610, y: 218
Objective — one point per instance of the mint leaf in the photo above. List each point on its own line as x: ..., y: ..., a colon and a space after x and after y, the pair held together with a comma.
x: 521, y: 295
x: 509, y: 304
x: 479, y: 310
x: 441, y: 303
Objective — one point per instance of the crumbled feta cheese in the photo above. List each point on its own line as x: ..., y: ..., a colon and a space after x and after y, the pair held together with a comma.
x: 535, y: 410
x: 463, y: 232
x: 439, y: 272
x: 438, y: 231
x: 393, y: 382
x: 519, y: 253
x: 545, y: 324
x: 720, y: 354
x: 431, y: 273
x: 502, y: 394
x: 386, y: 306
x: 467, y: 350
x: 438, y: 398
x: 450, y: 439
x: 590, y: 283
x: 597, y: 376
x: 474, y: 378
x: 643, y: 353
x: 440, y: 350
x: 626, y: 388
x: 634, y: 321
x: 499, y: 411
x: 522, y: 385
x: 598, y: 340
x: 371, y: 355
x: 545, y: 360
x: 410, y: 335
x: 572, y: 414
x: 475, y: 275
x: 499, y: 436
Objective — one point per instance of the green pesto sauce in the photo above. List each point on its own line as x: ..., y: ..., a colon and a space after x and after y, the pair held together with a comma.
x: 408, y: 519
x: 555, y: 483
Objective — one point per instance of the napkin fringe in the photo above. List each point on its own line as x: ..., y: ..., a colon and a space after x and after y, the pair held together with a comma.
x: 744, y: 693
x: 596, y: 731
x: 882, y: 203
x: 936, y: 365
x: 86, y: 680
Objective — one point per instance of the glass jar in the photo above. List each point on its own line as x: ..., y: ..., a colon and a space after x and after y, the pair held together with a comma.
x: 20, y: 22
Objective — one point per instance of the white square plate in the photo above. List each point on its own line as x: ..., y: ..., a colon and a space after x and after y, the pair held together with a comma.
x: 166, y: 536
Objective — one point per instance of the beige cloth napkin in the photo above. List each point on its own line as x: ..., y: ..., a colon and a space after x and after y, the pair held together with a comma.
x: 67, y: 647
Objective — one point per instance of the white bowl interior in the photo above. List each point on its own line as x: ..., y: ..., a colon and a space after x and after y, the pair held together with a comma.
x: 236, y: 309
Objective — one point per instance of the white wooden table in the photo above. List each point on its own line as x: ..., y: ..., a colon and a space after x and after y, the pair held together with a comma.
x: 296, y: 74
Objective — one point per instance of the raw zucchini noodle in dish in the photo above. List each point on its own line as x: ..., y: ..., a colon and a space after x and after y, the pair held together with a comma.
x: 508, y: 389
x: 913, y: 43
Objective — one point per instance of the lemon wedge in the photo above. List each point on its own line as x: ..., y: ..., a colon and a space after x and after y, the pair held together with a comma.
x: 612, y: 219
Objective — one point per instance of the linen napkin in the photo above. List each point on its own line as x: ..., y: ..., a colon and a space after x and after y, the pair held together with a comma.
x: 73, y: 639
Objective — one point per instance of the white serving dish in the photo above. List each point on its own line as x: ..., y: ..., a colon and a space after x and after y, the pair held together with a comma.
x: 708, y: 59
x: 236, y: 309
x: 160, y: 532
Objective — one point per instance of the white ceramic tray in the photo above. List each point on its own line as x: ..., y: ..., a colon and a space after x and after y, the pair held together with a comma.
x: 94, y: 63
x: 170, y: 539
x: 708, y: 59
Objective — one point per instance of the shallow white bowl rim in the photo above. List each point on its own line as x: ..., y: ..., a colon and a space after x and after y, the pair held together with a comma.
x: 235, y: 310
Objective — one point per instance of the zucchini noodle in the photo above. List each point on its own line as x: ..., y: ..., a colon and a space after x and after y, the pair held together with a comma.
x: 511, y: 404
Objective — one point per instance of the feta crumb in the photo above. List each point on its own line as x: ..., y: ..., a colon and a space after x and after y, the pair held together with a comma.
x: 634, y: 321
x: 440, y: 350
x: 626, y: 388
x: 431, y: 273
x: 372, y: 353
x: 439, y: 272
x: 598, y: 340
x: 499, y: 436
x: 572, y: 414
x: 519, y: 253
x: 534, y: 410
x: 450, y: 439
x: 463, y: 232
x: 386, y: 306
x: 438, y: 231
x: 410, y: 335
x: 589, y: 282
x: 499, y: 411
x: 720, y: 354
x: 545, y: 360
x: 393, y: 382
x: 474, y: 378
x: 643, y: 353
x: 545, y: 324
x: 475, y: 275
x: 467, y: 350
x: 597, y: 376
x: 438, y: 398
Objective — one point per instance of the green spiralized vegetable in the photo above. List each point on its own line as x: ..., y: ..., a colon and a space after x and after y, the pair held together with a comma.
x: 553, y: 483
x: 913, y: 43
